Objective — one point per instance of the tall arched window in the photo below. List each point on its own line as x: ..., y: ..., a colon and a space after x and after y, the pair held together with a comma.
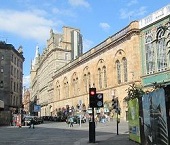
x: 14, y: 101
x: 86, y: 79
x: 124, y: 61
x: 89, y: 80
x: 118, y: 68
x: 104, y: 76
x: 100, y: 77
x: 66, y: 88
x: 161, y: 51
x: 75, y: 85
x: 58, y: 90
x: 150, y: 55
x: 85, y: 82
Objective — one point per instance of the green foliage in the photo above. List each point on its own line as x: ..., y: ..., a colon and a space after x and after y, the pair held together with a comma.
x: 134, y: 91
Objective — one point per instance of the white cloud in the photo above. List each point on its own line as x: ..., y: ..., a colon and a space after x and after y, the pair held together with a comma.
x: 79, y: 3
x: 65, y: 12
x: 26, y: 81
x: 142, y: 11
x: 125, y: 13
x: 132, y: 2
x: 104, y: 26
x: 87, y: 45
x: 27, y: 24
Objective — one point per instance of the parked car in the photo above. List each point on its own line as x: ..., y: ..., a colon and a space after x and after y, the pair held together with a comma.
x: 27, y: 120
x: 40, y: 120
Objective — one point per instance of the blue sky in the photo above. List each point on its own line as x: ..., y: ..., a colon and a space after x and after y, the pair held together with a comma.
x: 28, y: 22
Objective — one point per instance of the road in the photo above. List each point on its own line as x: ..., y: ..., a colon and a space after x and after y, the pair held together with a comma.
x: 58, y: 133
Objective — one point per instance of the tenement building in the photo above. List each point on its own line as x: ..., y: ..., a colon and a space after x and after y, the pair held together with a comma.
x: 62, y: 75
x: 11, y: 77
x: 155, y: 47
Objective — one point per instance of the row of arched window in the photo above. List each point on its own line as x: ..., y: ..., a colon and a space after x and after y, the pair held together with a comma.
x: 102, y: 78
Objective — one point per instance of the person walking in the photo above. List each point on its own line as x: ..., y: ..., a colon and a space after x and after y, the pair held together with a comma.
x: 96, y: 120
x: 71, y: 121
x: 32, y: 123
x: 68, y: 121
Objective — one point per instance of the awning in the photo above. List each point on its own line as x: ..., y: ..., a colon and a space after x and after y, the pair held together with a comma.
x: 1, y: 104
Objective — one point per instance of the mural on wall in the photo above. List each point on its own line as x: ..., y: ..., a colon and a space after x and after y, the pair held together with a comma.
x: 155, y: 121
x: 133, y: 118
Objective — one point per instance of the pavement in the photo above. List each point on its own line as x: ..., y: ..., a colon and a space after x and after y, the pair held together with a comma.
x: 111, y: 139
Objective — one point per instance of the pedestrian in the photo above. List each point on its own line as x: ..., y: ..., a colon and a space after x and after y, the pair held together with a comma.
x: 68, y: 121
x: 71, y: 121
x: 96, y: 120
x: 32, y: 123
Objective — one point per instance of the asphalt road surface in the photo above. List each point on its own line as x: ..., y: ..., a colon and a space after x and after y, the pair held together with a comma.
x: 58, y: 133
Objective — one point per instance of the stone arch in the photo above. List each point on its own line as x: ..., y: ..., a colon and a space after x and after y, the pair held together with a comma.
x: 75, y: 87
x: 86, y: 79
x: 101, y: 74
x: 65, y: 88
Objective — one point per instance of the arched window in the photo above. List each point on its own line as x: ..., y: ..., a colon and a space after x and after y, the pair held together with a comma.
x: 89, y: 80
x: 86, y: 79
x: 124, y: 61
x: 161, y: 51
x: 14, y: 101
x: 100, y: 77
x: 104, y: 76
x: 66, y: 88
x: 150, y: 55
x: 118, y: 68
x: 75, y: 85
x: 58, y: 90
x: 85, y: 82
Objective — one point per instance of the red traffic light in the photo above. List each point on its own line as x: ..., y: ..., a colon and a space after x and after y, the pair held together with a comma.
x: 92, y: 92
x: 92, y: 96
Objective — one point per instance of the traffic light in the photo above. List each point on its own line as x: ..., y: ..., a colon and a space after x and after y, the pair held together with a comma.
x: 92, y: 97
x: 99, y: 100
x: 115, y: 103
x: 118, y: 111
x: 95, y: 100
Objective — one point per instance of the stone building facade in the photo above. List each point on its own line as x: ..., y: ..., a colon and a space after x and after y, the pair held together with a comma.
x: 11, y: 76
x: 60, y: 50
x: 26, y: 101
x: 111, y: 67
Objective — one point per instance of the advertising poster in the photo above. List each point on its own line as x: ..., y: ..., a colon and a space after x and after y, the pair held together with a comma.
x: 133, y: 117
x: 155, y: 121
